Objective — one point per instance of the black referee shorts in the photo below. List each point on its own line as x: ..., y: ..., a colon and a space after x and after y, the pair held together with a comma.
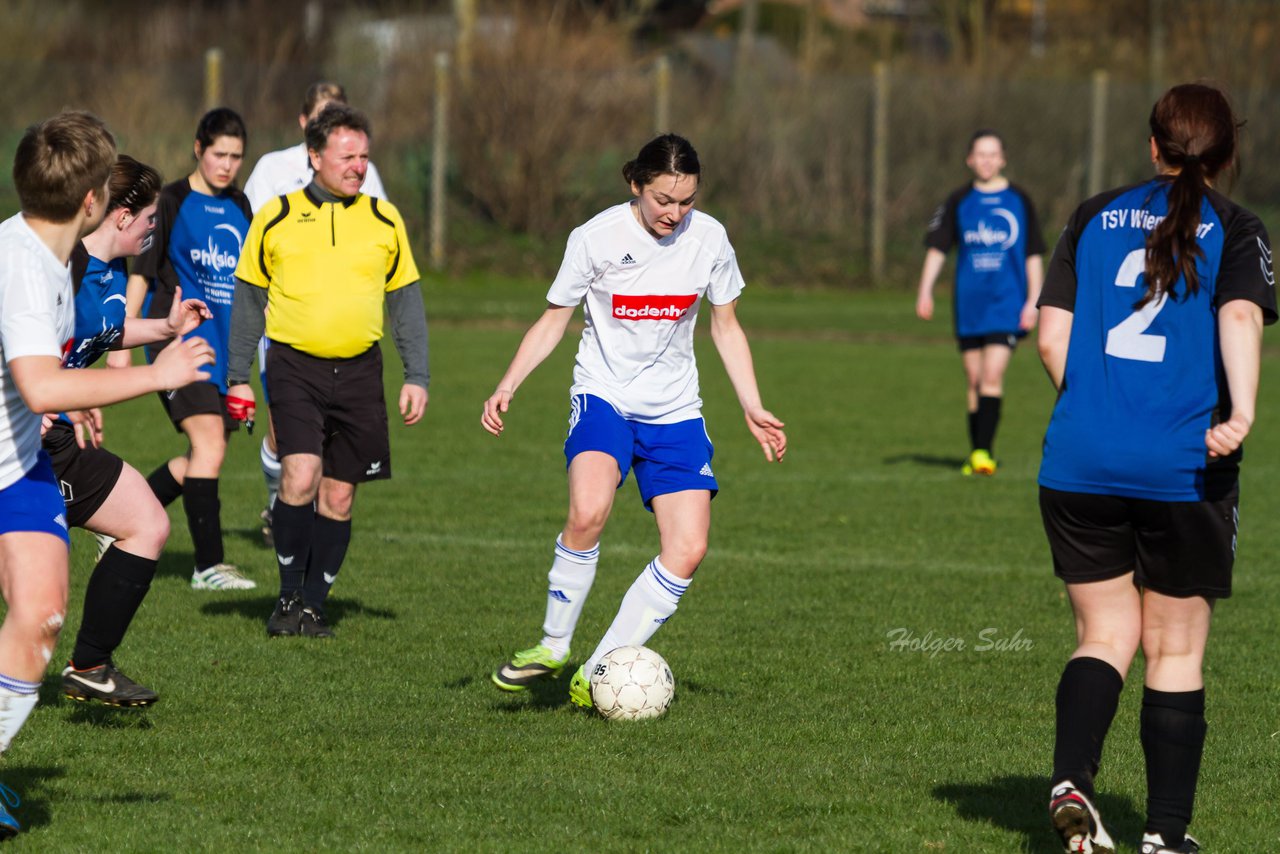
x: 333, y: 408
x: 977, y: 342
x: 86, y: 475
x: 1178, y: 548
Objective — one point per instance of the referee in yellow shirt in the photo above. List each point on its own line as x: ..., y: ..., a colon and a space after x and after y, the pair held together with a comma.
x: 321, y: 262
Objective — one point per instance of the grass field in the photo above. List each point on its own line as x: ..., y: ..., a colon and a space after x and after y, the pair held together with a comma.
x: 798, y: 724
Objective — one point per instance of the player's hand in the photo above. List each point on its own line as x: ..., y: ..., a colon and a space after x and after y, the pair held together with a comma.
x: 768, y: 432
x: 498, y: 403
x: 241, y: 405
x: 1027, y: 319
x: 413, y: 403
x: 1223, y: 439
x: 924, y: 307
x: 179, y: 363
x: 119, y: 359
x: 87, y: 426
x: 46, y: 421
x: 185, y: 315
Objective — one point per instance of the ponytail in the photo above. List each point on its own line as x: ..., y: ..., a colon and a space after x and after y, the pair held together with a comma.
x: 1172, y: 249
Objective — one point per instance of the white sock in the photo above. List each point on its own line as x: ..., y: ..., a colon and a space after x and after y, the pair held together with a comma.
x: 17, y: 699
x: 649, y: 603
x: 568, y: 583
x: 270, y: 472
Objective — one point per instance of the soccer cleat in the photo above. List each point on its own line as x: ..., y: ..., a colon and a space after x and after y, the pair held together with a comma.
x: 313, y: 624
x: 1077, y: 822
x: 1153, y: 843
x: 106, y: 684
x: 580, y: 688
x: 528, y: 666
x: 9, y: 826
x: 286, y: 619
x: 221, y: 576
x: 268, y: 538
x: 979, y: 462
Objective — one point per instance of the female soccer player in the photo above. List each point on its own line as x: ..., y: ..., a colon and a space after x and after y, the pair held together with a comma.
x: 998, y: 275
x: 201, y: 223
x: 104, y: 494
x: 61, y: 172
x: 1150, y: 328
x: 642, y: 268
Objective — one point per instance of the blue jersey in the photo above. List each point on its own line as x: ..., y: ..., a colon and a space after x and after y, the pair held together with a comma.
x: 99, y: 326
x: 197, y: 246
x: 1142, y: 385
x: 996, y: 233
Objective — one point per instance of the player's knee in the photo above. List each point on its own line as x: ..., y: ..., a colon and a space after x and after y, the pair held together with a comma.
x: 586, y: 523
x: 684, y: 556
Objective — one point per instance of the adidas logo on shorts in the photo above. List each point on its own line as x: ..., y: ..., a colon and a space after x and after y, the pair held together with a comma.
x: 705, y: 471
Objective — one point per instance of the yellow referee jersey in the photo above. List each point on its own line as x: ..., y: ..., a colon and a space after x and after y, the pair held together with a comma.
x: 327, y: 267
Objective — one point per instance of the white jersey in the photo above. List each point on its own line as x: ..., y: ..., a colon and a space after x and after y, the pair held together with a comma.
x: 37, y: 318
x: 280, y: 172
x: 641, y: 303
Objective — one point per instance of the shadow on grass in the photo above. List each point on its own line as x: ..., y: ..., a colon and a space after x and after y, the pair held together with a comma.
x: 249, y: 535
x: 925, y: 460
x: 701, y: 688
x: 174, y: 564
x: 1020, y: 804
x: 544, y: 696
x: 259, y: 608
x: 30, y: 785
x: 105, y: 717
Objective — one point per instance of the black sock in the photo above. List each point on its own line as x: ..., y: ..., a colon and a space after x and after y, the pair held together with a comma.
x: 116, y: 588
x: 292, y: 527
x: 204, y: 519
x: 1173, y: 730
x: 986, y: 419
x: 328, y: 548
x: 973, y: 431
x: 163, y: 485
x: 1088, y: 694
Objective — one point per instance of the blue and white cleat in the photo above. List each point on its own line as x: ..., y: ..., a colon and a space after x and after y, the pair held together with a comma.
x: 9, y: 826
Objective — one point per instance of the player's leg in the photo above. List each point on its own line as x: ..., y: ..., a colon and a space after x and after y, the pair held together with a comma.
x: 1094, y: 551
x: 598, y: 454
x: 119, y: 583
x: 990, y: 393
x: 330, y: 537
x: 207, y: 432
x: 971, y: 362
x: 267, y: 453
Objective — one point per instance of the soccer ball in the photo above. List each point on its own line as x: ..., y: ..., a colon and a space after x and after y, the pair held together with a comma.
x: 632, y: 683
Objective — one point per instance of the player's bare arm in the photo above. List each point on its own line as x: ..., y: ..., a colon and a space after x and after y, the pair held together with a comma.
x: 537, y: 344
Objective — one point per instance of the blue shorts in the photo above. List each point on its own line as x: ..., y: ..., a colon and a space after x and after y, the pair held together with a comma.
x: 34, y: 503
x: 666, y: 457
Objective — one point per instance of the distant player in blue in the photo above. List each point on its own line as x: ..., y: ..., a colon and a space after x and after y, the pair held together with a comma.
x: 103, y: 493
x: 201, y: 224
x: 1151, y: 330
x: 999, y: 270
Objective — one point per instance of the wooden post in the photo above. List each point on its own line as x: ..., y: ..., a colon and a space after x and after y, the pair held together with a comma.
x: 1098, y: 134
x: 464, y: 12
x: 662, y: 94
x: 212, y: 78
x: 439, y: 160
x: 747, y: 27
x: 879, y: 168
x: 1156, y: 38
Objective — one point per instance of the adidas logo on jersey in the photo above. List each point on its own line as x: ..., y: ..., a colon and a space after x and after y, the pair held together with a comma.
x: 627, y: 259
x: 705, y: 471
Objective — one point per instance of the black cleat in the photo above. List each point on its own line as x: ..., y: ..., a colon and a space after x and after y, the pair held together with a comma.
x: 106, y: 684
x: 286, y: 619
x: 314, y: 624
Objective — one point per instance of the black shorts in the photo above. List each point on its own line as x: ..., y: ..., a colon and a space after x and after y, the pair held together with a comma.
x: 197, y: 399
x: 1178, y: 548
x: 85, y: 475
x: 333, y: 408
x: 977, y: 342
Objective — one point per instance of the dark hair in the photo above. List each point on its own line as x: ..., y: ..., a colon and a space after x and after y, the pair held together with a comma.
x: 982, y: 133
x: 134, y: 185
x: 59, y: 161
x: 668, y: 154
x: 331, y: 118
x: 220, y: 121
x: 1195, y: 132
x: 322, y: 90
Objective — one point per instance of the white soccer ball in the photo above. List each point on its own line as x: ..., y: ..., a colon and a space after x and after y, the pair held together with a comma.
x: 632, y: 683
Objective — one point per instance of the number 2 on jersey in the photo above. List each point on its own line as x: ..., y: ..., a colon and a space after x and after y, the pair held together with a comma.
x: 1128, y: 338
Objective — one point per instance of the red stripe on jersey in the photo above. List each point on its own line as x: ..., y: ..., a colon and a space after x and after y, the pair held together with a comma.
x: 652, y: 307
